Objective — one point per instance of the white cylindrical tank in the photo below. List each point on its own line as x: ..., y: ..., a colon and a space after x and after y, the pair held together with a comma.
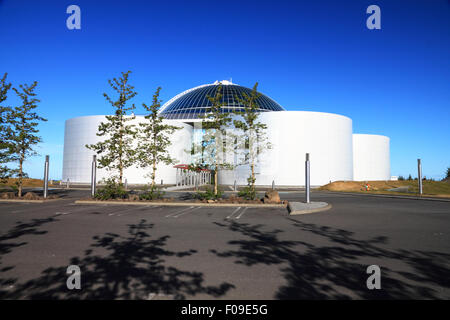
x: 78, y: 159
x: 371, y: 159
x: 326, y: 137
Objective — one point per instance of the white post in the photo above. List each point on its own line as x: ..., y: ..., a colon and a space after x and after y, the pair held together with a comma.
x: 93, y: 175
x: 307, y: 180
x: 195, y: 180
x: 46, y: 177
x: 419, y: 175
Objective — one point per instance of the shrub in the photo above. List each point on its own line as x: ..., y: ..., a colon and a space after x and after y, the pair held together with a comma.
x: 249, y: 192
x: 151, y: 193
x: 14, y: 188
x: 401, y: 178
x: 112, y: 190
x: 208, y: 194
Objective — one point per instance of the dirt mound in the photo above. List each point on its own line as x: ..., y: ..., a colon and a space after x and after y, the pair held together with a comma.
x: 31, y: 196
x: 407, y: 187
x: 353, y: 186
x: 26, y: 182
x: 271, y: 196
x: 8, y: 195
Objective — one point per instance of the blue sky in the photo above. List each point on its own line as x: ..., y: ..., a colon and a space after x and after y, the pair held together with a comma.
x: 306, y: 55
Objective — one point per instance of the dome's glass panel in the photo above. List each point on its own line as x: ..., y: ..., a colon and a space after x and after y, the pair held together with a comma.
x: 194, y: 103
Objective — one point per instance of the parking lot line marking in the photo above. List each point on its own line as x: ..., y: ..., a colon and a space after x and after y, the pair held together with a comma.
x: 137, y: 210
x: 150, y: 207
x: 178, y: 212
x: 231, y: 215
x: 122, y: 213
x: 187, y: 211
x: 87, y: 209
x: 242, y: 212
x: 19, y: 211
x: 72, y: 210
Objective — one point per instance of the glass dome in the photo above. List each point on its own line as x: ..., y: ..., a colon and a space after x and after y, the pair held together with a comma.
x: 193, y: 103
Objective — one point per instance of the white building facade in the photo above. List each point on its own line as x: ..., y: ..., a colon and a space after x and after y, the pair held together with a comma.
x: 336, y: 153
x: 77, y: 161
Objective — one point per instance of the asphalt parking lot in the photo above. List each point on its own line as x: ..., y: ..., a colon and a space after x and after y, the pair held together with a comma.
x: 155, y: 252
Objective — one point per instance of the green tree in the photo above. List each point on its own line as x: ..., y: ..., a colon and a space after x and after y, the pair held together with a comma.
x: 217, y: 136
x: 5, y: 150
x: 253, y: 138
x: 447, y: 174
x: 22, y: 132
x: 116, y: 152
x: 154, y: 139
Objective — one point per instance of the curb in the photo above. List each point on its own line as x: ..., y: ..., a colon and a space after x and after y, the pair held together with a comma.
x: 306, y: 211
x: 182, y: 204
x: 29, y: 201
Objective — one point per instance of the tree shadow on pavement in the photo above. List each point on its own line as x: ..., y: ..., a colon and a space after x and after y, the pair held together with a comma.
x: 131, y: 267
x: 333, y: 265
x: 7, y: 245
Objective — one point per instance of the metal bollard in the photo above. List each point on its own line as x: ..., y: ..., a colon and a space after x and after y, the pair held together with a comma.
x: 419, y: 176
x: 234, y: 185
x: 46, y: 176
x: 93, y: 175
x: 307, y: 180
